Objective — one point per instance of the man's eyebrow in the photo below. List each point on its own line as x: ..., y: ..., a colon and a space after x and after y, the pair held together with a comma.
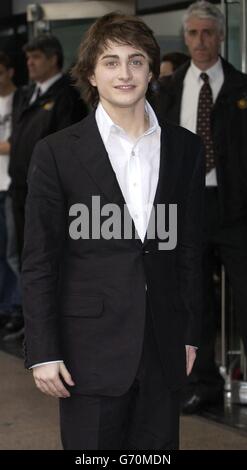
x: 198, y: 30
x: 137, y: 54
x: 115, y: 56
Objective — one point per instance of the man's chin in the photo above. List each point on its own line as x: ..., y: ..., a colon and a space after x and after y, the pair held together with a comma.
x: 126, y: 103
x: 32, y: 76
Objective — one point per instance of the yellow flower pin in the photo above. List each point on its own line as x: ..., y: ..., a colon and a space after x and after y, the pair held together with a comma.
x: 242, y: 103
x: 48, y: 105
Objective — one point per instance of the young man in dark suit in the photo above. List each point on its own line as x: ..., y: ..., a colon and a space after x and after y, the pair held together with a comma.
x: 112, y: 315
x: 209, y: 96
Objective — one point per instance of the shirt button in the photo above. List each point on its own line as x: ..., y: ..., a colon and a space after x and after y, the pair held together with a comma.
x: 132, y: 153
x: 134, y: 184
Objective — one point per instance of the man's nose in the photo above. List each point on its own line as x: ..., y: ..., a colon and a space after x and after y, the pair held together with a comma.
x: 200, y: 38
x: 125, y: 72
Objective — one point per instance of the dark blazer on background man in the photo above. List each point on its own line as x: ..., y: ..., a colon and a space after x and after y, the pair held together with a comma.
x: 59, y: 107
x: 85, y: 300
x: 229, y: 131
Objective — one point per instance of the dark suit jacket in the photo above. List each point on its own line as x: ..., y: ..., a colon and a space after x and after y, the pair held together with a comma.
x: 85, y: 300
x: 229, y: 131
x: 59, y: 107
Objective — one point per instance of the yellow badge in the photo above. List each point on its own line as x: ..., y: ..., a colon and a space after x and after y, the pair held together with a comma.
x: 242, y: 103
x: 48, y: 105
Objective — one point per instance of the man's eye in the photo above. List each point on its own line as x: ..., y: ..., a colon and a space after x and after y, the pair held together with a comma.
x: 111, y: 63
x: 136, y: 62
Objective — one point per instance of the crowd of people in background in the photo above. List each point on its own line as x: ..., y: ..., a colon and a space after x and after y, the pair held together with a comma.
x: 47, y: 104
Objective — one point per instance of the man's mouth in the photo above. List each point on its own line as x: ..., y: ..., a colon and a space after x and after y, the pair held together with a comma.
x: 125, y: 87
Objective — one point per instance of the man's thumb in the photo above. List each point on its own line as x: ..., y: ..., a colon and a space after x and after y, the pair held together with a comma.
x: 66, y: 375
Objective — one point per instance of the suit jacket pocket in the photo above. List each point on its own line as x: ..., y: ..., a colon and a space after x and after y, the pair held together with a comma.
x: 78, y: 306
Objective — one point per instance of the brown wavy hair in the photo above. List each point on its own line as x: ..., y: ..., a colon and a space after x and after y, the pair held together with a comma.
x: 122, y: 29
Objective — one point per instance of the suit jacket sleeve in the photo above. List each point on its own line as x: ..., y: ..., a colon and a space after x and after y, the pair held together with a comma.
x: 190, y: 258
x: 43, y: 242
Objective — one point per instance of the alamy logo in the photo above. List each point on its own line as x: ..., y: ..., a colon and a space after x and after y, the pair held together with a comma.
x: 108, y: 221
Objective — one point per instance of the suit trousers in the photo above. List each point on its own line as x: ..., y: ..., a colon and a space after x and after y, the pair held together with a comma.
x: 146, y: 417
x: 19, y: 199
x: 230, y: 243
x: 9, y: 292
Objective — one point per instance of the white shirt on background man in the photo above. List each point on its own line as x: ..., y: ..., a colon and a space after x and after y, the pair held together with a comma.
x: 191, y: 89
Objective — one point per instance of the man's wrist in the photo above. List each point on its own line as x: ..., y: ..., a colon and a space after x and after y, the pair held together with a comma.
x: 44, y: 363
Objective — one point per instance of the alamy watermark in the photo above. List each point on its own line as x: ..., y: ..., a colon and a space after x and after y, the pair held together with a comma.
x: 109, y: 221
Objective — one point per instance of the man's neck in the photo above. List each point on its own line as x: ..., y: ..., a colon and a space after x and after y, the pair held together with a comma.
x: 49, y: 77
x: 133, y: 120
x: 205, y: 65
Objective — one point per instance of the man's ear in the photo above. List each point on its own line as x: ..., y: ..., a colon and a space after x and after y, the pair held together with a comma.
x: 53, y: 60
x: 92, y: 80
x: 11, y: 72
x: 150, y: 76
x: 222, y: 36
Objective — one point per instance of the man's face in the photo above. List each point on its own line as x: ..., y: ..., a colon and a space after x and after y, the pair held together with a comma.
x: 203, y: 38
x: 121, y: 75
x: 40, y: 67
x: 166, y: 68
x: 5, y: 78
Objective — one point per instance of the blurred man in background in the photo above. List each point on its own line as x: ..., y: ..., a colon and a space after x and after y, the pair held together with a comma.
x: 171, y: 61
x: 209, y: 96
x: 49, y: 104
x: 9, y: 293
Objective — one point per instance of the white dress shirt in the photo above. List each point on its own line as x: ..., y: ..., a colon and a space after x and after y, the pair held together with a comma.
x: 191, y: 89
x: 44, y: 86
x: 135, y: 163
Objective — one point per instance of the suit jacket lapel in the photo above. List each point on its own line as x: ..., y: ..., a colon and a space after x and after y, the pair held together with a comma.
x: 168, y: 171
x: 95, y: 159
x: 26, y: 97
x: 96, y: 162
x: 47, y: 96
x: 232, y: 82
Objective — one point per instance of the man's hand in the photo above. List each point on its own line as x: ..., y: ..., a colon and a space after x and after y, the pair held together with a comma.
x: 47, y: 379
x: 4, y: 148
x: 190, y: 358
